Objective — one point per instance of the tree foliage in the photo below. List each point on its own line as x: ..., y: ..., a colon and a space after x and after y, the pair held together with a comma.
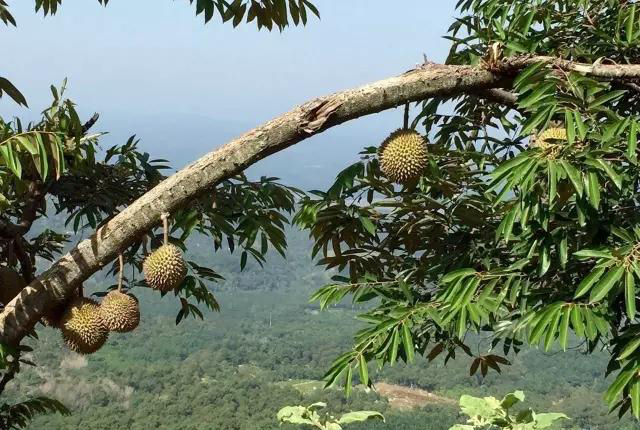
x: 489, y: 413
x: 310, y: 416
x: 18, y: 415
x: 523, y: 226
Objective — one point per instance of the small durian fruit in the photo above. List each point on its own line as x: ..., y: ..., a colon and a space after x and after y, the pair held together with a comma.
x: 11, y: 283
x: 120, y: 312
x: 403, y: 156
x: 83, y: 329
x: 164, y: 269
x: 550, y: 134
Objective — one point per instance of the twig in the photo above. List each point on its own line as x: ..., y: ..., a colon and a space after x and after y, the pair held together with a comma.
x: 121, y: 272
x: 165, y: 227
x: 406, y: 116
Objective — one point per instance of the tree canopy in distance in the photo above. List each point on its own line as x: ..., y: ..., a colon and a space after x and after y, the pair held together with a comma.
x: 523, y: 224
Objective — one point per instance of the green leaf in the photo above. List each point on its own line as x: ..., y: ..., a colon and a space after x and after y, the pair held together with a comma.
x: 606, y: 284
x: 528, y: 72
x: 593, y: 189
x: 545, y: 261
x: 407, y: 341
x: 509, y: 220
x: 571, y: 128
x: 588, y: 281
x: 395, y: 341
x: 11, y: 160
x: 552, y: 330
x: 618, y: 385
x: 7, y: 87
x: 563, y: 252
x: 487, y: 408
x: 593, y: 253
x: 543, y: 421
x: 539, y: 118
x: 243, y: 260
x: 27, y: 144
x: 610, y: 96
x: 512, y: 399
x: 364, y: 371
x: 590, y: 327
x: 553, y: 180
x: 582, y: 128
x: 359, y: 416
x: 632, y: 142
x: 629, y: 349
x: 368, y: 225
x: 545, y: 90
x: 508, y: 165
x: 574, y: 176
x: 630, y: 294
x: 576, y: 321
x: 629, y: 24
x: 617, y: 179
x: 564, y: 327
x: 544, y: 319
x: 41, y: 159
x: 459, y: 273
x: 634, y: 393
x: 294, y: 415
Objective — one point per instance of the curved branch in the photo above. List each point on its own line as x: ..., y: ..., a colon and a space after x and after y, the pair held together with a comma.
x: 311, y: 118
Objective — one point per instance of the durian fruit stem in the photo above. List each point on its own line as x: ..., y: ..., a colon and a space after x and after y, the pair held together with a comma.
x: 145, y: 243
x: 406, y: 116
x: 121, y: 272
x: 165, y: 226
x: 81, y: 291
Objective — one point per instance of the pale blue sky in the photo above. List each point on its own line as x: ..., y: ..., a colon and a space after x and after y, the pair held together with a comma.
x: 150, y: 67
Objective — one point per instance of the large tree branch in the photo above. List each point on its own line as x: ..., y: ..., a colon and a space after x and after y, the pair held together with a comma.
x: 311, y: 118
x: 500, y: 96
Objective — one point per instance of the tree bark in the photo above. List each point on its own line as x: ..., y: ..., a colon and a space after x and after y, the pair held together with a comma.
x: 429, y: 80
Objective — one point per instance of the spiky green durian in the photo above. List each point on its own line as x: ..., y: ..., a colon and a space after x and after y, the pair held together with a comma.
x: 120, y: 312
x: 403, y: 156
x: 164, y: 268
x: 83, y: 329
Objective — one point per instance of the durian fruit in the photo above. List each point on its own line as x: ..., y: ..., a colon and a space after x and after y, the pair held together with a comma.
x: 83, y: 329
x: 11, y: 283
x: 403, y: 156
x: 164, y: 269
x: 553, y: 133
x: 120, y: 312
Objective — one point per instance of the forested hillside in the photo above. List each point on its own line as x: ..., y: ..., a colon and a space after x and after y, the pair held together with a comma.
x: 236, y: 369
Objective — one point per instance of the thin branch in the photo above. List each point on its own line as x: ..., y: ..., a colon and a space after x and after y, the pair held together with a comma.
x: 9, y: 375
x: 26, y: 263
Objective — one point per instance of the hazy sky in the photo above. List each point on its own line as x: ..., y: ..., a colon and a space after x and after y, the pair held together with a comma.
x: 151, y: 68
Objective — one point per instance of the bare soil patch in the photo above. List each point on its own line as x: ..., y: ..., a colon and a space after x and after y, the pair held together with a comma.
x: 404, y: 398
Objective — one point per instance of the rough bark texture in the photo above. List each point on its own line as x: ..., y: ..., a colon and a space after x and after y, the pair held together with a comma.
x: 52, y: 286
